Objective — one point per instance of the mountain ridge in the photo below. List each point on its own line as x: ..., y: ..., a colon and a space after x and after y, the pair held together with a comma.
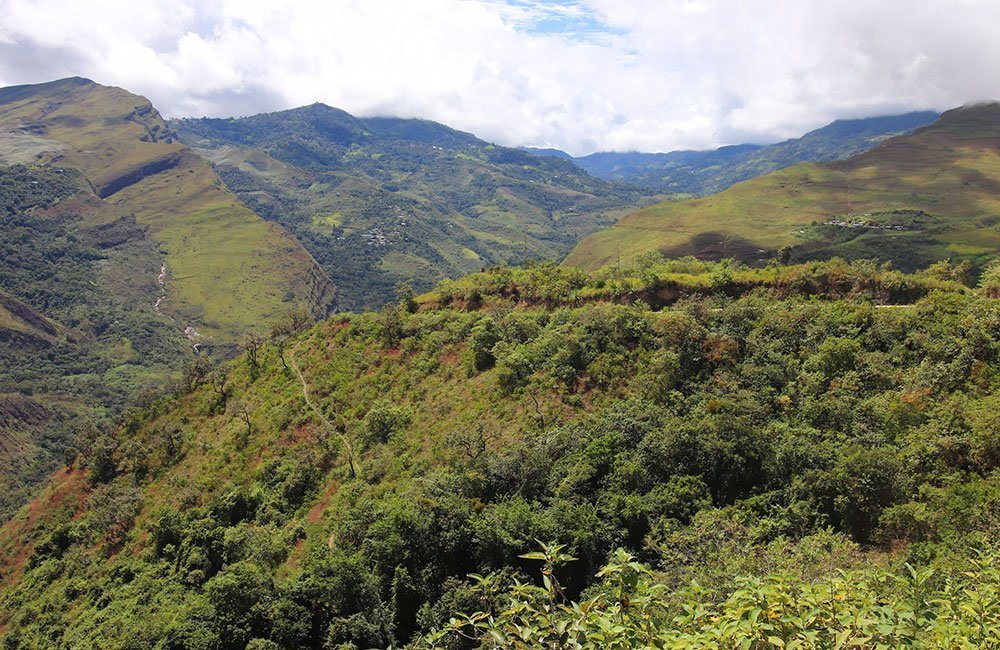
x: 726, y: 425
x: 710, y: 171
x: 386, y: 200
x: 121, y: 253
x: 911, y: 200
x: 131, y: 158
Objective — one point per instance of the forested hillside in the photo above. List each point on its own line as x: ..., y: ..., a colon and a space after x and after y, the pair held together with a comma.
x: 745, y: 434
x: 226, y: 269
x: 120, y: 253
x: 379, y: 201
x: 79, y: 336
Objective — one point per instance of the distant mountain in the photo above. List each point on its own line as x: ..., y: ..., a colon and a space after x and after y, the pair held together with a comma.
x: 553, y: 153
x: 707, y: 172
x: 912, y: 200
x: 383, y: 200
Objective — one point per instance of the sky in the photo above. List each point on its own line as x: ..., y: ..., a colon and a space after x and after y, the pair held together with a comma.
x: 579, y: 75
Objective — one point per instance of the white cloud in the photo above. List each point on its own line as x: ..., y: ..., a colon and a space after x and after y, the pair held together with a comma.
x: 579, y: 74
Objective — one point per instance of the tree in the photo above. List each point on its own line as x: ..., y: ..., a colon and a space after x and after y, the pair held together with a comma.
x: 288, y: 326
x: 100, y: 459
x: 383, y: 420
x: 219, y: 377
x: 114, y: 508
x: 238, y: 408
x: 252, y: 344
x: 195, y: 373
x: 406, y: 296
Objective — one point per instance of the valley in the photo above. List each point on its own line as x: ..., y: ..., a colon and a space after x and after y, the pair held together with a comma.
x: 709, y: 172
x: 119, y: 252
x: 135, y: 166
x: 310, y: 380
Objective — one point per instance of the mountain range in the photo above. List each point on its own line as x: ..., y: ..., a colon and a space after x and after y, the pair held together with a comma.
x: 120, y: 250
x: 214, y: 249
x: 780, y: 444
x: 124, y: 251
x: 708, y: 172
x: 380, y: 201
x: 912, y: 200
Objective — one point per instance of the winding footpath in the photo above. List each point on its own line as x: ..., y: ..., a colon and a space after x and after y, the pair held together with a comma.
x: 355, y: 470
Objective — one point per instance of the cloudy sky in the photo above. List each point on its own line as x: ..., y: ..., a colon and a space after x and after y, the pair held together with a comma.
x: 581, y: 75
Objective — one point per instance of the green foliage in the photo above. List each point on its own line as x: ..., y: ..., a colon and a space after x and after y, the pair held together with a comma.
x: 73, y: 342
x: 754, y: 438
x: 383, y: 420
x: 947, y: 605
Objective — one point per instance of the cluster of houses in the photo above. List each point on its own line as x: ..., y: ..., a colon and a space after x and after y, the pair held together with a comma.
x: 859, y: 223
x: 374, y: 237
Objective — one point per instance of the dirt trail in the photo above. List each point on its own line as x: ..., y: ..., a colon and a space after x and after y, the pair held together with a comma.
x: 355, y: 470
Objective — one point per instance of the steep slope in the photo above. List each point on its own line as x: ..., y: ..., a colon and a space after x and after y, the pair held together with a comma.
x: 707, y: 172
x: 226, y: 269
x: 24, y: 419
x: 79, y: 333
x: 383, y: 200
x: 119, y: 249
x: 338, y: 487
x: 914, y: 199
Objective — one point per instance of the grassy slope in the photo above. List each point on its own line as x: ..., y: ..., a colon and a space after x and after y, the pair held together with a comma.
x: 228, y: 269
x: 17, y: 317
x: 949, y: 170
x: 446, y: 203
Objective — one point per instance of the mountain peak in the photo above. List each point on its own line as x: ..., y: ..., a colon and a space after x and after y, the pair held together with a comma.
x: 977, y: 114
x: 47, y: 89
x: 980, y: 104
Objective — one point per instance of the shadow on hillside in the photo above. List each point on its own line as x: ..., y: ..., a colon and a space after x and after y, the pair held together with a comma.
x: 715, y: 245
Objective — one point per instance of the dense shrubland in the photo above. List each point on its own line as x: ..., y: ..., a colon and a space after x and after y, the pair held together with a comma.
x: 953, y: 602
x: 734, y: 458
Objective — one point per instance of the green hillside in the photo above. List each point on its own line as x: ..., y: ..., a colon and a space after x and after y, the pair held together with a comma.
x: 120, y: 251
x: 707, y: 172
x: 382, y: 200
x: 79, y: 336
x: 914, y: 199
x: 226, y: 268
x: 746, y: 434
